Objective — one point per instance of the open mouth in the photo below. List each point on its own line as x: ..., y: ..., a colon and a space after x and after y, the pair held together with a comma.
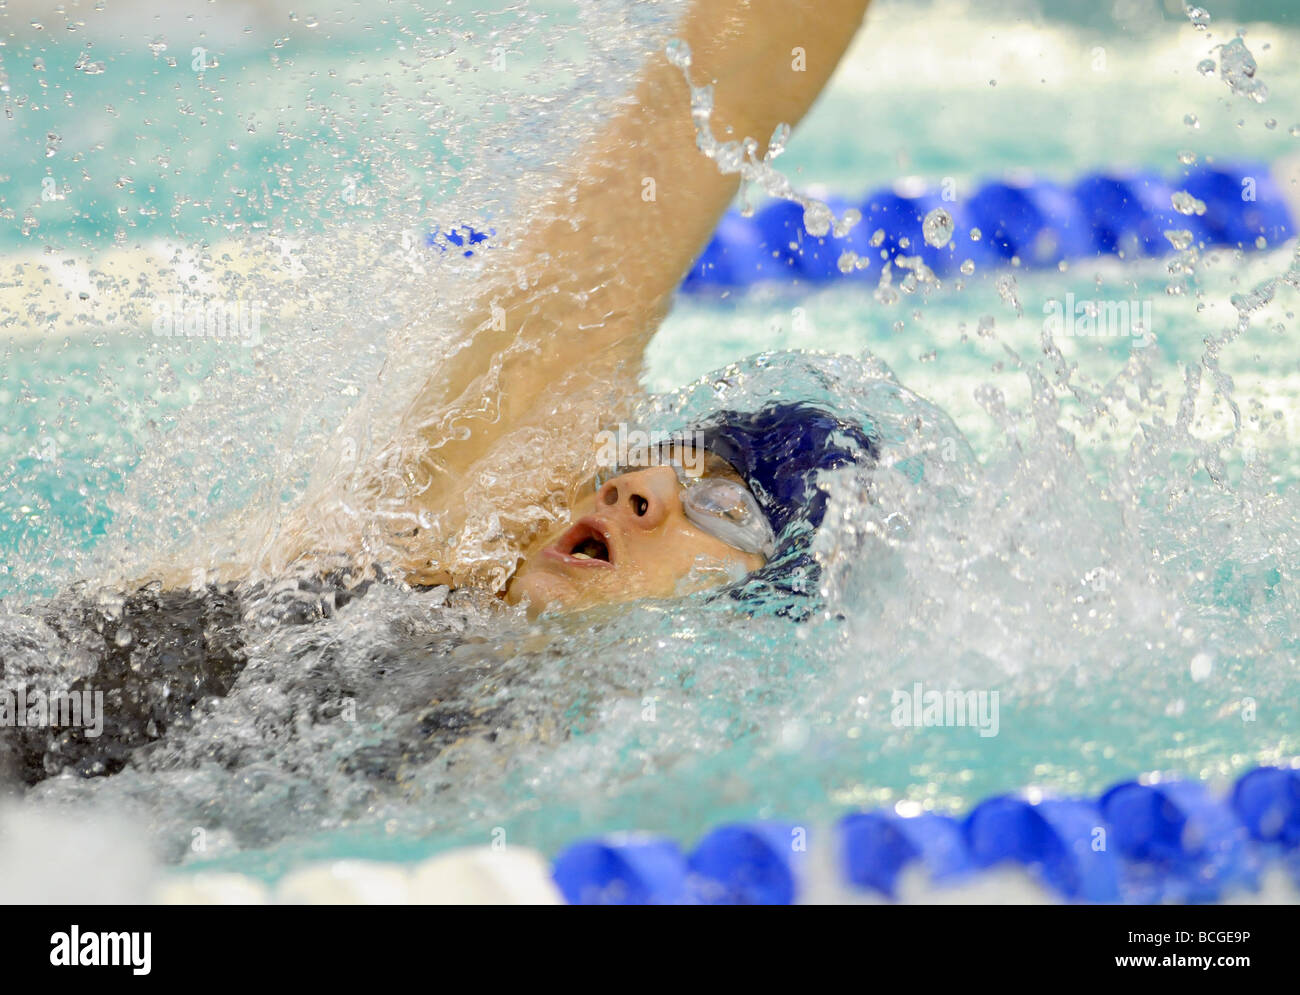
x: 585, y: 543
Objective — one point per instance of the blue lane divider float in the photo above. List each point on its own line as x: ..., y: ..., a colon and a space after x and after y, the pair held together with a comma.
x: 1267, y: 800
x: 877, y: 846
x: 1061, y: 841
x: 1040, y: 223
x: 1185, y: 846
x: 1143, y: 841
x: 758, y: 864
x: 626, y: 869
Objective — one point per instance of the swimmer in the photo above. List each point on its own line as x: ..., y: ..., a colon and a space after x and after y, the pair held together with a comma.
x: 487, y: 482
x: 478, y: 486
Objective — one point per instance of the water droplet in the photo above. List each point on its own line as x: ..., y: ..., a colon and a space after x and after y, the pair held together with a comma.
x: 1179, y: 239
x: 817, y: 219
x: 851, y: 217
x: 968, y: 267
x: 1237, y: 69
x: 937, y: 228
x: 678, y: 53
x: 976, y: 234
x: 1199, y: 16
x: 1185, y: 203
x: 1191, y: 121
x: 1201, y: 667
x: 885, y: 293
x: 90, y: 68
x: 1008, y: 291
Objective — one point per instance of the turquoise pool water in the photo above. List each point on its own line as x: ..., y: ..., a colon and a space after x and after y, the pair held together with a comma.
x: 1124, y: 580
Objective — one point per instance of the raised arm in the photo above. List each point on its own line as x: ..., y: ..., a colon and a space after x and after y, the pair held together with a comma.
x: 564, y: 316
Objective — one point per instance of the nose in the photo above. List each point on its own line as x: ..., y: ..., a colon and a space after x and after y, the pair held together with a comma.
x: 641, y: 499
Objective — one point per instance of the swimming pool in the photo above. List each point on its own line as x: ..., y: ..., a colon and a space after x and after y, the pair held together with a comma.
x: 1121, y: 578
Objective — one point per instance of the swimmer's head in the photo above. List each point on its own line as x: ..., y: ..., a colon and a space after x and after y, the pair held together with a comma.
x: 706, y: 509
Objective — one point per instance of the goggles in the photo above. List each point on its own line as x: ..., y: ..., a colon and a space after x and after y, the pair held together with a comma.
x: 724, y: 508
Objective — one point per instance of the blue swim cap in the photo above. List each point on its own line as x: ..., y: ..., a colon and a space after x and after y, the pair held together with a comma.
x: 779, y: 450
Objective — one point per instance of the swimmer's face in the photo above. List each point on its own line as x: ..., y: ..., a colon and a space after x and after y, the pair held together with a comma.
x: 628, y: 539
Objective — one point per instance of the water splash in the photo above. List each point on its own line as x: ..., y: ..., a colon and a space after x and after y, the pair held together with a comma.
x: 740, y: 156
x: 1237, y: 70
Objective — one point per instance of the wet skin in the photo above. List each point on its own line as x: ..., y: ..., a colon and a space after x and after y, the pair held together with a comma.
x: 629, y: 539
